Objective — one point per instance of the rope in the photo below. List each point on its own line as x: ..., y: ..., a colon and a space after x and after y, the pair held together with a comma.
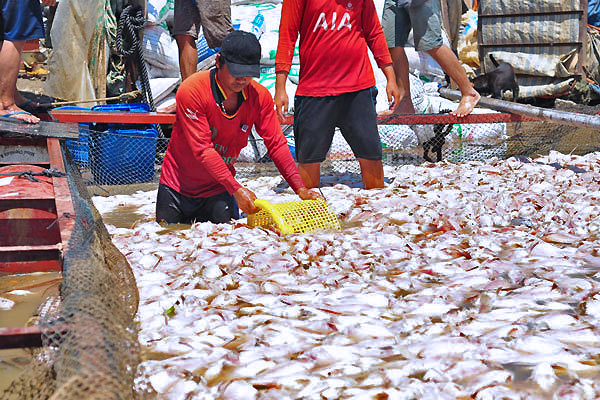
x: 124, y: 96
x: 31, y: 176
x: 132, y: 20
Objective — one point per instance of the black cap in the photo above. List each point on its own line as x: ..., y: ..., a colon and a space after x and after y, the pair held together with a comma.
x: 241, y: 52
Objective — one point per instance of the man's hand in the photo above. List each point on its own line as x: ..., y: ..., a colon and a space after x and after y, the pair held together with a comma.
x: 49, y: 2
x: 393, y: 94
x: 281, y: 99
x: 245, y: 200
x: 308, y: 194
x: 391, y: 87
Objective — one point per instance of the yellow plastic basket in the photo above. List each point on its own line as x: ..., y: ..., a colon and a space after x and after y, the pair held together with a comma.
x: 295, y: 216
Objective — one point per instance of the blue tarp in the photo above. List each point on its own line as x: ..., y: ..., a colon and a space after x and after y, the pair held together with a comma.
x: 594, y: 12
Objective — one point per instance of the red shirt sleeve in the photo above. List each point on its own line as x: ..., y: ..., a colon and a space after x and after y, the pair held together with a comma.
x: 374, y: 35
x: 289, y: 28
x: 197, y: 136
x: 269, y: 129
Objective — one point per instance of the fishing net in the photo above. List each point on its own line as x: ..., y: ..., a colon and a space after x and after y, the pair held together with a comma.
x: 90, y: 348
x: 117, y: 157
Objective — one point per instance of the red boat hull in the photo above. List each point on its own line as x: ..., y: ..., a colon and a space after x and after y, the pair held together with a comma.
x: 36, y: 213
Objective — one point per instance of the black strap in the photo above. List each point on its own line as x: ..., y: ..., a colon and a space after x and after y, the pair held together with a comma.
x: 31, y: 176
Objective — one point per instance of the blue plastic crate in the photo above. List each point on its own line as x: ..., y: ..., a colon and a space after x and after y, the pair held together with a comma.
x: 79, y: 148
x: 291, y: 144
x: 123, y: 156
x: 130, y: 107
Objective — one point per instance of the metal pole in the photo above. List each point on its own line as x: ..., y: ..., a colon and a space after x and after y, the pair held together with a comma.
x: 544, y: 114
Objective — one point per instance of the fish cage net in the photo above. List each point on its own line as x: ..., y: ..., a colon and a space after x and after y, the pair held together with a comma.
x: 90, y: 348
x: 89, y: 333
x: 134, y: 156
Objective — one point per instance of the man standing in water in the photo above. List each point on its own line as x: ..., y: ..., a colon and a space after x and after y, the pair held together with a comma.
x: 336, y: 87
x: 216, y: 111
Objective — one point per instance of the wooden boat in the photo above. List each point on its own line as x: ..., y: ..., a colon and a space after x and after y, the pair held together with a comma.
x: 37, y: 215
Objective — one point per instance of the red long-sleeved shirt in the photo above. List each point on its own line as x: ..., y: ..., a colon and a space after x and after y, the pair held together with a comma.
x: 206, y: 142
x: 334, y: 35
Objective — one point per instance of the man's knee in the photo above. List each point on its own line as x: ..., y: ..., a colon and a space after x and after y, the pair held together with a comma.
x: 185, y: 40
x: 222, y: 212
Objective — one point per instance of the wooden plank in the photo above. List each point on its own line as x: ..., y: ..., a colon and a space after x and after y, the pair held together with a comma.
x: 41, y: 247
x: 28, y: 226
x: 65, y: 210
x: 28, y: 259
x: 28, y: 336
x: 540, y: 44
x: 7, y: 203
x: 583, y: 37
x: 15, y: 338
x: 154, y: 118
x: 31, y: 266
x: 22, y: 188
x: 430, y: 119
x: 530, y: 14
x: 41, y: 129
x: 112, y: 117
x: 23, y: 150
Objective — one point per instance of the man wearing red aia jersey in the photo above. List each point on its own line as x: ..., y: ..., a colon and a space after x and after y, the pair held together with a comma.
x: 216, y: 111
x: 336, y: 87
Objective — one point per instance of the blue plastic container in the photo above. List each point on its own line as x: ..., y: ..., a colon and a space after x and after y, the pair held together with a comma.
x: 123, y: 156
x: 130, y: 107
x: 79, y: 148
x: 291, y: 144
x: 121, y: 153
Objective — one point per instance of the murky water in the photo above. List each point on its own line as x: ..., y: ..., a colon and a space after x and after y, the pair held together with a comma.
x: 39, y: 286
x: 124, y: 216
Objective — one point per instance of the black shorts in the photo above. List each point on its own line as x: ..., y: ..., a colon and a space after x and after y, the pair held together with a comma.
x: 315, y: 120
x: 174, y: 208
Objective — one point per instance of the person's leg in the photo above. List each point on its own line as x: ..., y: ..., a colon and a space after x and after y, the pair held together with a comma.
x: 186, y: 27
x: 450, y: 64
x: 310, y: 174
x: 168, y: 206
x: 428, y: 37
x: 358, y: 125
x: 400, y: 63
x: 21, y: 21
x: 188, y: 62
x: 371, y: 172
x: 215, y: 18
x: 314, y: 126
x: 10, y: 60
x: 396, y: 25
x: 188, y: 55
x: 219, y: 209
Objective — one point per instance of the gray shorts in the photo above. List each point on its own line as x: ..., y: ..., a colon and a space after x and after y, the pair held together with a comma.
x: 214, y: 16
x: 425, y: 21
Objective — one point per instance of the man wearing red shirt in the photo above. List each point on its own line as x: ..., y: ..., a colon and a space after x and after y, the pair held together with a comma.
x: 336, y: 84
x: 216, y: 111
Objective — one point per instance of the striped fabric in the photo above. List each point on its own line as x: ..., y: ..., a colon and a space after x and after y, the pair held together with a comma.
x: 540, y: 39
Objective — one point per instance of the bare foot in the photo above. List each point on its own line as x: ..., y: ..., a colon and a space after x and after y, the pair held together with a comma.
x: 15, y: 112
x: 170, y: 109
x: 405, y: 106
x: 467, y: 104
